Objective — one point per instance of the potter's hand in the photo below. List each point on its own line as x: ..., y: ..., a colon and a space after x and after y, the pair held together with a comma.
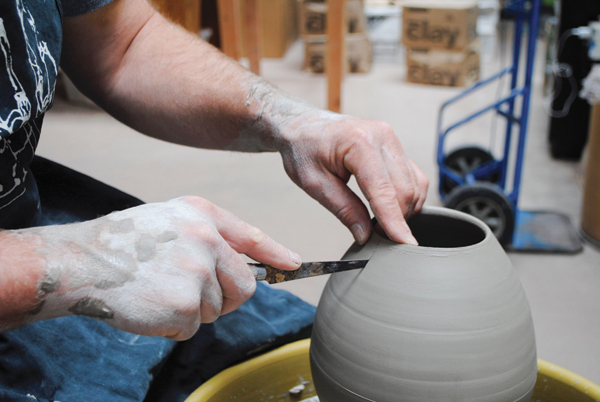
x: 322, y: 150
x: 158, y: 269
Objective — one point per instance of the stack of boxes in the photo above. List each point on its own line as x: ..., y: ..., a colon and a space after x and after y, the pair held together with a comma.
x: 440, y: 38
x: 313, y: 28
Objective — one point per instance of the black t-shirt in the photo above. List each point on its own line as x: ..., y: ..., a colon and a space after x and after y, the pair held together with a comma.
x: 30, y: 48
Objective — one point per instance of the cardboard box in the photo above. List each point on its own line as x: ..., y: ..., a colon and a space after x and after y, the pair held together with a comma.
x: 444, y: 25
x: 590, y: 212
x: 358, y: 53
x: 313, y: 17
x: 279, y: 27
x: 439, y: 67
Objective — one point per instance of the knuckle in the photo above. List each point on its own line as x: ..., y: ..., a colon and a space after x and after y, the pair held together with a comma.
x: 408, y: 197
x: 345, y: 214
x: 378, y: 131
x: 212, y: 315
x: 363, y: 136
x: 208, y: 235
x: 384, y: 190
x: 205, y: 274
x: 372, y: 137
x: 384, y: 128
x: 188, y: 199
x: 424, y: 183
x: 197, y: 202
x: 256, y: 236
x: 186, y: 302
x: 245, y: 290
x: 210, y: 308
x: 190, y: 330
x: 253, y: 239
x: 249, y: 290
x: 189, y: 311
x: 184, y: 320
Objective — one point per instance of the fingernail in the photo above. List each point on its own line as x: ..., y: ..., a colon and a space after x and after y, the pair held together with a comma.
x: 295, y: 258
x: 358, y: 232
x: 410, y: 239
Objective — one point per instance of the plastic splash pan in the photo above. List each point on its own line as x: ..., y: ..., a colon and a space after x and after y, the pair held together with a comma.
x: 270, y: 377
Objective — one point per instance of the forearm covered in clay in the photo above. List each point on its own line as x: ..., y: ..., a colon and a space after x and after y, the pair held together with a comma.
x: 170, y: 84
x: 157, y: 269
x: 50, y: 272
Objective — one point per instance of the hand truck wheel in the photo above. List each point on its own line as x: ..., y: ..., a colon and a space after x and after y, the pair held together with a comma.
x: 488, y: 203
x: 464, y: 160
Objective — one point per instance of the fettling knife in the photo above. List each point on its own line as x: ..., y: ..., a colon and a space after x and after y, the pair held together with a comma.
x: 267, y: 273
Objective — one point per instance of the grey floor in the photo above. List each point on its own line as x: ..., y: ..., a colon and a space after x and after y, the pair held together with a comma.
x: 563, y: 291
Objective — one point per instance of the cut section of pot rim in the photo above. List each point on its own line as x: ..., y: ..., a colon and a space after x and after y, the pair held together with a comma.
x: 436, y: 227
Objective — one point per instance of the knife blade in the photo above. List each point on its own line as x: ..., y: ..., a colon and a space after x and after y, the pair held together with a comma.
x: 267, y: 273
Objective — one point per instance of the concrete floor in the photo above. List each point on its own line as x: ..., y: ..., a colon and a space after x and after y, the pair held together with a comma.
x: 563, y: 291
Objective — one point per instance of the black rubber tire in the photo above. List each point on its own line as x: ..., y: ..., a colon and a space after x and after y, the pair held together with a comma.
x: 463, y: 160
x: 487, y: 202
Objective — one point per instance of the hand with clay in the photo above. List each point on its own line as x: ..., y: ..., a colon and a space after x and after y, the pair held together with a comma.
x: 215, y: 103
x: 321, y: 150
x: 157, y: 269
x: 162, y: 269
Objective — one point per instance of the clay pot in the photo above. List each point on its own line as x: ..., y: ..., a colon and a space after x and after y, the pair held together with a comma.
x: 445, y: 321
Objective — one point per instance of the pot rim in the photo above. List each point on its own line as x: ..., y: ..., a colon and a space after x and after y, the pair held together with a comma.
x: 458, y: 215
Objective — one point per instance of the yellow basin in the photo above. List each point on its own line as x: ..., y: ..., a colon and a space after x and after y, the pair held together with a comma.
x: 269, y: 377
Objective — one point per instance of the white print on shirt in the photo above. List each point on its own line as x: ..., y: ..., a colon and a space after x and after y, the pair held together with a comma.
x: 42, y: 65
x: 20, y: 117
x: 9, y: 195
x: 23, y: 108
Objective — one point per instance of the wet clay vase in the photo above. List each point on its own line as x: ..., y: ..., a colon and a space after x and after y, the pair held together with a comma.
x: 445, y: 321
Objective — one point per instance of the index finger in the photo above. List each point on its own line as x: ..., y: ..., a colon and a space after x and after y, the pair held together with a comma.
x: 376, y: 184
x: 251, y: 241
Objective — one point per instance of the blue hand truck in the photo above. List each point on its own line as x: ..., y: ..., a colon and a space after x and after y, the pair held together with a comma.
x: 472, y: 180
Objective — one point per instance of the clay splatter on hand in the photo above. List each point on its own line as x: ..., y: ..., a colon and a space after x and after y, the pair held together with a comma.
x: 93, y: 308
